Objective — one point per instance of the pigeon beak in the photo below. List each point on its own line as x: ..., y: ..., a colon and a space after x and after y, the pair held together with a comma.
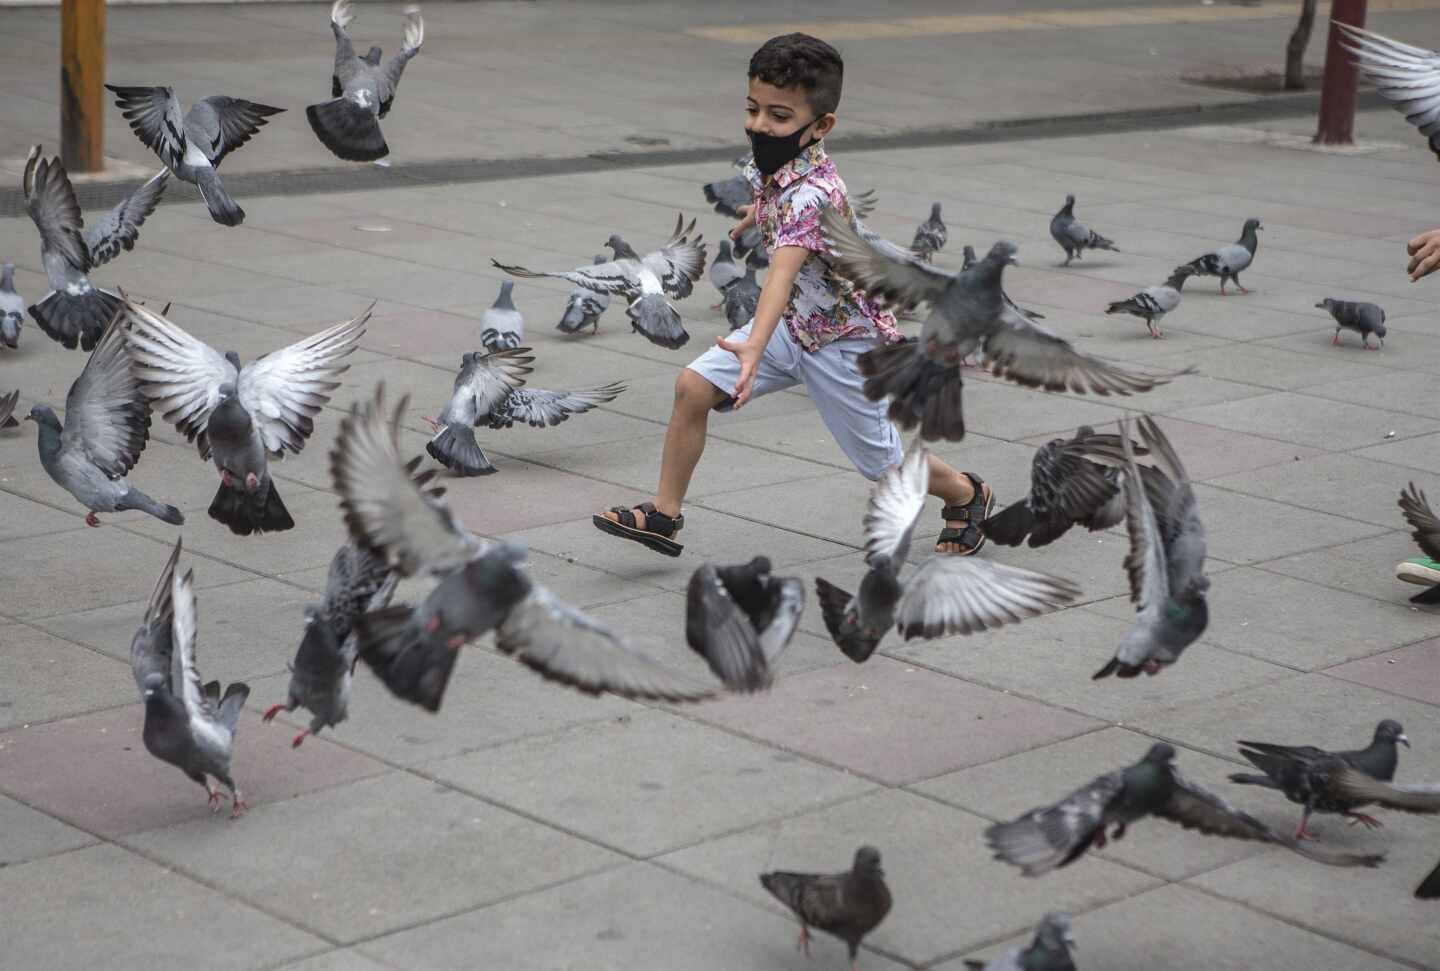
x: 1403, y: 740
x: 1013, y: 261
x: 1070, y: 941
x: 1320, y: 306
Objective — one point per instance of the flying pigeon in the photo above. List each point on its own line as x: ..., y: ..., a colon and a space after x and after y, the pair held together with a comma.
x: 7, y: 409
x: 644, y: 281
x: 584, y: 307
x: 1313, y: 777
x: 1073, y: 236
x: 1153, y: 303
x: 358, y: 581
x: 240, y: 417
x: 724, y: 270
x: 12, y: 308
x: 106, y: 427
x: 968, y: 260
x: 1426, y: 533
x: 968, y: 312
x: 1429, y: 888
x: 932, y: 235
x: 75, y: 310
x: 1048, y: 951
x: 190, y: 726
x: 740, y: 620
x: 728, y: 195
x: 846, y: 905
x: 501, y: 326
x: 483, y: 586
x: 943, y: 595
x: 362, y: 88
x: 741, y: 299
x: 1050, y: 837
x: 1407, y: 77
x: 1228, y: 261
x: 1363, y: 318
x: 193, y: 146
x: 490, y: 389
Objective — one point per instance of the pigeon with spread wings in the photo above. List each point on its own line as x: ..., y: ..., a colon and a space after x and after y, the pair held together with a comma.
x: 1407, y: 77
x: 363, y: 89
x: 740, y: 620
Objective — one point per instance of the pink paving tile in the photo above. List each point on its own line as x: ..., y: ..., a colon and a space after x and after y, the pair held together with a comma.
x: 1412, y: 671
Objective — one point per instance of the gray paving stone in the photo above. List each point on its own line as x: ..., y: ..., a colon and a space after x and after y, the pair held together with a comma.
x: 43, y: 677
x: 341, y: 959
x: 1365, y: 566
x: 1342, y: 485
x: 28, y: 834
x: 1410, y: 671
x: 1310, y: 421
x: 20, y: 517
x: 1414, y: 453
x: 1272, y: 367
x: 1249, y: 529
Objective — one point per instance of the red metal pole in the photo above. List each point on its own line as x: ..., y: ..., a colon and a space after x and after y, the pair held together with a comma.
x: 1337, y: 92
x: 82, y: 85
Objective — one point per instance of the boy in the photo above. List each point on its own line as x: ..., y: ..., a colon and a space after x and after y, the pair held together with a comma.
x: 809, y: 325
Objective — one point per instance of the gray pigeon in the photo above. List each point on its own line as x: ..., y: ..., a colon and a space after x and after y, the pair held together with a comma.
x: 943, y: 595
x: 1407, y: 77
x: 1363, y: 318
x: 12, y: 308
x: 7, y: 409
x: 968, y: 313
x: 644, y: 281
x: 1166, y: 562
x: 1050, y: 837
x: 931, y: 237
x: 969, y: 260
x: 501, y: 326
x: 846, y: 905
x: 1326, y: 782
x: 740, y: 620
x: 490, y: 389
x: 190, y: 726
x: 362, y: 88
x: 240, y: 417
x: 1426, y: 533
x: 1073, y: 236
x: 728, y: 195
x: 106, y: 427
x: 483, y: 586
x: 1153, y: 303
x: 1228, y: 261
x: 750, y: 246
x: 584, y: 307
x: 1049, y: 951
x: 741, y: 299
x: 192, y: 146
x: 358, y: 581
x: 75, y: 310
x: 724, y: 271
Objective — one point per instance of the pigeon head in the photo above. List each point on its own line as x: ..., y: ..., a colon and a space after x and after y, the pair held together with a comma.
x: 44, y: 416
x: 227, y: 390
x: 968, y: 257
x: 1390, y: 731
x: 1379, y: 331
x: 935, y: 210
x: 1069, y: 200
x: 7, y: 275
x: 1003, y: 253
x: 867, y: 860
x: 760, y: 565
x: 372, y: 57
x: 1325, y: 304
x: 154, y: 681
x: 1252, y: 224
x: 234, y: 360
x: 621, y: 248
x: 725, y: 250
x: 1161, y: 753
x: 10, y: 329
x: 1053, y: 934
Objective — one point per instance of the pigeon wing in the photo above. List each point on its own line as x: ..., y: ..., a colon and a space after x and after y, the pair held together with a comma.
x: 890, y: 272
x: 1022, y: 351
x: 347, y: 65
x: 895, y: 506
x: 389, y: 76
x: 105, y: 412
x: 1349, y: 784
x: 718, y: 630
x: 155, y: 117
x: 1145, y: 563
x: 119, y: 228
x: 616, y: 276
x: 679, y: 263
x: 180, y: 374
x: 1051, y: 836
x: 790, y: 604
x: 184, y: 676
x: 1426, y: 527
x: 539, y: 408
x: 50, y: 200
x: 959, y: 595
x: 1408, y: 77
x: 220, y: 124
x: 150, y: 651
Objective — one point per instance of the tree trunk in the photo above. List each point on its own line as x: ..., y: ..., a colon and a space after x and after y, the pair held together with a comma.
x: 1295, y: 50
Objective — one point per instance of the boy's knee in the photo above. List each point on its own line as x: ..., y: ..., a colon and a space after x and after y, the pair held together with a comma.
x: 694, y: 393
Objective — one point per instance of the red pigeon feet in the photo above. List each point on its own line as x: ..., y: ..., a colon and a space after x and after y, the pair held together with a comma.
x: 1370, y: 821
x: 90, y: 519
x: 299, y: 738
x: 238, y: 809
x: 271, y: 712
x: 252, y: 482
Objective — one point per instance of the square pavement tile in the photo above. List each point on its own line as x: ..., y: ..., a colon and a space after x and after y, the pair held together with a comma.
x: 362, y: 859
x: 1248, y: 529
x: 112, y: 785
x: 1365, y: 566
x: 21, y: 517
x: 28, y: 834
x: 1341, y: 485
x: 1273, y: 367
x: 1413, y: 392
x: 43, y: 677
x: 1307, y: 420
x: 669, y: 781
x: 341, y: 959
x: 1421, y: 453
x: 81, y: 910
x: 1412, y: 671
x: 868, y: 718
x: 934, y: 855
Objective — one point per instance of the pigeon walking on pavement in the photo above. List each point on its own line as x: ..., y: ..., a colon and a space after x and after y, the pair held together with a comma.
x: 240, y: 417
x: 1153, y: 303
x: 75, y: 310
x: 846, y: 905
x: 1426, y: 533
x: 1229, y: 260
x: 193, y: 145
x: 363, y: 89
x: 724, y: 270
x: 932, y: 235
x: 186, y: 724
x: 490, y: 389
x: 107, y: 424
x: 7, y: 410
x: 1073, y: 236
x: 12, y: 308
x: 1050, y: 837
x: 1408, y: 77
x: 741, y: 299
x: 1049, y: 950
x: 740, y: 620
x: 584, y: 307
x: 1363, y: 318
x: 943, y: 595
x: 501, y: 325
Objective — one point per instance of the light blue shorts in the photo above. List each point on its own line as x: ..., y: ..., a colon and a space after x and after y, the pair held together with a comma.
x: 832, y: 378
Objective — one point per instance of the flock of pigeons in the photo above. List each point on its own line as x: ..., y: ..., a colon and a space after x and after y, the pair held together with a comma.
x: 739, y: 618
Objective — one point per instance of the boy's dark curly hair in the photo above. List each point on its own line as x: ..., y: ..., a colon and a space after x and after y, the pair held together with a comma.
x: 799, y: 60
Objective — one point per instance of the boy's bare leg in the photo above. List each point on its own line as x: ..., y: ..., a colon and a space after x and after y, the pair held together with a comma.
x: 954, y: 489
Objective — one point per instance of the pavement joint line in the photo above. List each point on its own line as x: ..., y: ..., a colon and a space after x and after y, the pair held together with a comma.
x: 1303, y: 507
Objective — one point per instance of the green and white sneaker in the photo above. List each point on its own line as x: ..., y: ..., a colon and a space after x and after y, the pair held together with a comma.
x: 1419, y: 569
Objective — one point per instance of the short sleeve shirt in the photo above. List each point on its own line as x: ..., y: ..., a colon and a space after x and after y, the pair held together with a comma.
x: 823, y: 306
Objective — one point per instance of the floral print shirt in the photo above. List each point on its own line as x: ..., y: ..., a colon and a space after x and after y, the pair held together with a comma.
x: 823, y: 306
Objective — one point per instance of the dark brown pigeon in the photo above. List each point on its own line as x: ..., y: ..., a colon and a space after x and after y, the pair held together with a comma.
x: 740, y: 619
x: 847, y: 905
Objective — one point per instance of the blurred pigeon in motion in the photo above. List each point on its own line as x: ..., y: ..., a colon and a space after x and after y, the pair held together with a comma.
x: 1050, y: 837
x: 1228, y: 261
x: 1073, y: 236
x: 724, y: 270
x: 106, y: 427
x: 12, y: 308
x: 644, y: 281
x: 190, y: 726
x: 943, y: 595
x: 740, y: 620
x: 76, y: 311
x: 932, y: 235
x: 193, y: 146
x: 968, y: 313
x: 1048, y: 951
x: 1153, y: 303
x: 584, y: 307
x: 501, y: 326
x: 750, y: 247
x: 358, y: 581
x: 728, y: 195
x: 490, y: 389
x: 1316, y: 779
x: 1407, y: 77
x: 1429, y: 888
x: 741, y: 299
x: 7, y: 410
x: 483, y: 586
x: 1363, y: 318
x: 363, y: 89
x: 969, y: 260
x: 240, y: 417
x: 1426, y: 533
x: 846, y: 905
x: 1166, y: 562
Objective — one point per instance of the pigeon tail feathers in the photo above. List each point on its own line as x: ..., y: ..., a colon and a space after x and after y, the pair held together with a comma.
x: 135, y: 499
x: 651, y: 315
x: 456, y: 449
x: 247, y: 513
x: 78, y: 318
x: 348, y: 130
x: 223, y: 209
x: 415, y: 668
x: 921, y: 392
x: 834, y: 606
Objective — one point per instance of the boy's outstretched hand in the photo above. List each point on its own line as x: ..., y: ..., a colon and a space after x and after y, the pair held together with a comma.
x: 1424, y: 254
x: 749, y: 355
x: 747, y: 219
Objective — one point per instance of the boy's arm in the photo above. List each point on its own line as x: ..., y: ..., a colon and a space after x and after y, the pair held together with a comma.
x: 785, y: 263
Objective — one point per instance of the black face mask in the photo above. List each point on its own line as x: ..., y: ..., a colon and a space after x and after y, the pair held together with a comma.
x: 773, y: 151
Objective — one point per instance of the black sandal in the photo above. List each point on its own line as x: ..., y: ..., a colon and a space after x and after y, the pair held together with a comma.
x: 658, y: 534
x: 972, y: 513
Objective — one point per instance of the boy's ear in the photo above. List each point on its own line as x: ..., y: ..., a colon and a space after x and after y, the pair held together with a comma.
x: 824, y: 125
